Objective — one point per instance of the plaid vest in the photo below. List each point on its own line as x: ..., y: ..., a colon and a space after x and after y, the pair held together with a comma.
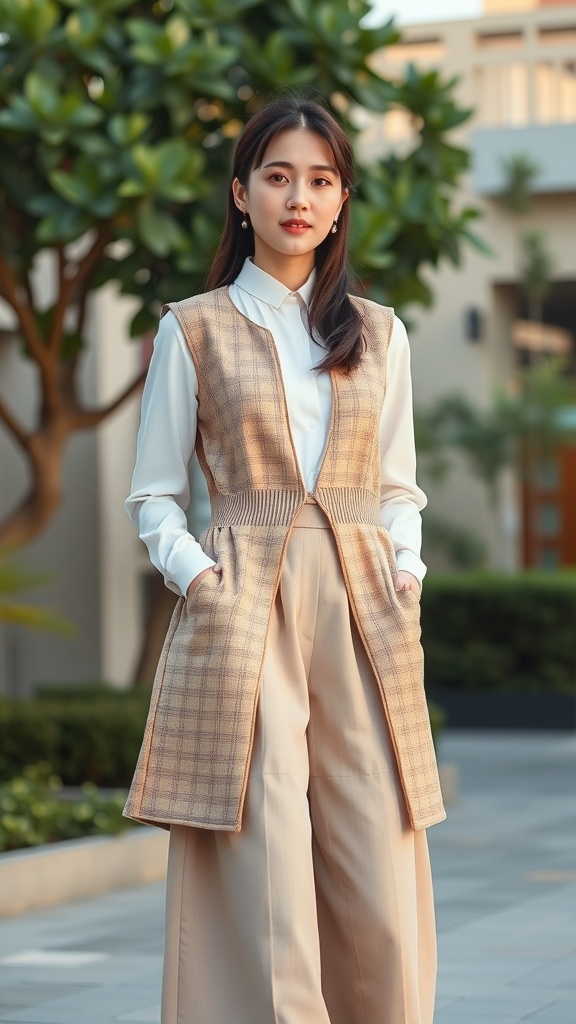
x: 193, y: 766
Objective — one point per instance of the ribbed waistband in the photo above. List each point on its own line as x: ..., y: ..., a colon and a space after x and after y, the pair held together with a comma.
x: 279, y: 507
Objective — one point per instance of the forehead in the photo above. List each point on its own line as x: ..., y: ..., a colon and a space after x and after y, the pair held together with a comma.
x: 300, y: 147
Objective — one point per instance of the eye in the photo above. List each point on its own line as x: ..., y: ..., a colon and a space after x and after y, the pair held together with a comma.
x: 321, y: 182
x: 277, y: 178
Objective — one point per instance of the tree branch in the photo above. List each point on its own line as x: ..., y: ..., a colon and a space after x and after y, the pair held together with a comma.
x: 83, y: 419
x: 69, y: 285
x: 9, y: 290
x: 70, y: 366
x: 14, y: 426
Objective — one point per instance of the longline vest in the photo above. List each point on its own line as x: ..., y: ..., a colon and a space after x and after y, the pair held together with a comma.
x: 195, y: 756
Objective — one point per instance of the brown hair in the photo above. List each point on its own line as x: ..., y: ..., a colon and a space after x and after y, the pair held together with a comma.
x: 332, y: 317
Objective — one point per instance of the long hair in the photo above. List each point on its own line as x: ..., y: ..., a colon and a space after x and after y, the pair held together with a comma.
x: 332, y: 317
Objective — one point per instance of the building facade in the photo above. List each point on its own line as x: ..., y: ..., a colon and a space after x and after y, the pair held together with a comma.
x: 516, y: 69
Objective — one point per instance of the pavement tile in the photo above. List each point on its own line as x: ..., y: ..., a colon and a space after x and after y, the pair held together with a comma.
x: 96, y: 1006
x: 506, y: 908
x: 497, y: 1003
x: 560, y: 1012
x: 559, y: 974
x: 17, y: 997
x: 150, y: 1015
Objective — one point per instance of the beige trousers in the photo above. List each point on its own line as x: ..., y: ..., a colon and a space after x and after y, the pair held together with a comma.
x: 320, y: 910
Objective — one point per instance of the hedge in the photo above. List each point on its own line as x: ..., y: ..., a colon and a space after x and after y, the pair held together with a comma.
x: 511, y: 634
x: 87, y: 733
x: 34, y: 810
x: 86, y: 737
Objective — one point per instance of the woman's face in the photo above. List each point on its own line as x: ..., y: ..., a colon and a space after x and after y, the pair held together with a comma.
x: 292, y: 199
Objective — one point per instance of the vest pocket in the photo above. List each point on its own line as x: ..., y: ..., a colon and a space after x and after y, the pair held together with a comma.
x: 210, y: 577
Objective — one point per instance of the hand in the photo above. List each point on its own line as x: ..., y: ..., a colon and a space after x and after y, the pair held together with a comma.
x: 406, y: 581
x: 198, y: 579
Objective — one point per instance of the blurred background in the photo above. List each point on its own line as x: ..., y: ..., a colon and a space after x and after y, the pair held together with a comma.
x: 117, y: 123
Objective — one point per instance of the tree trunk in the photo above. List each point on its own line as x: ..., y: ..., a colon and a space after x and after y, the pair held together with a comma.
x: 45, y: 458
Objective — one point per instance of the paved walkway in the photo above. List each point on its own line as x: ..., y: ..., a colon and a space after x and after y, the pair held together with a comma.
x: 505, y: 870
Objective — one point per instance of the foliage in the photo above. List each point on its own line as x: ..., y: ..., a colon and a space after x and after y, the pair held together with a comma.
x: 461, y: 547
x: 520, y: 173
x: 94, y: 738
x: 125, y: 117
x: 117, y: 123
x: 536, y: 263
x: 531, y: 421
x: 536, y: 271
x: 13, y: 580
x: 33, y: 811
x: 512, y: 634
x: 437, y: 723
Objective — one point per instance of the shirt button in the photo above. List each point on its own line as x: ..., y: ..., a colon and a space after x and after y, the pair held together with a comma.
x: 312, y: 424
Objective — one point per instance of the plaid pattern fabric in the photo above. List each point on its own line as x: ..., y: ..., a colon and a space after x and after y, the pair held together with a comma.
x: 193, y: 766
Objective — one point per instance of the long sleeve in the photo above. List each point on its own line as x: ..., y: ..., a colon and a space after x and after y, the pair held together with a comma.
x: 401, y: 500
x: 160, y: 490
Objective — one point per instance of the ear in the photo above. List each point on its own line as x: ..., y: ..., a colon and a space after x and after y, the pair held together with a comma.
x: 345, y: 196
x: 240, y: 195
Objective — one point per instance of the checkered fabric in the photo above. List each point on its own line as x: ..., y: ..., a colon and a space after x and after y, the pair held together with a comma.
x: 193, y: 766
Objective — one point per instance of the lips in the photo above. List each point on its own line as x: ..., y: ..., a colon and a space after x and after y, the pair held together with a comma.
x: 295, y: 226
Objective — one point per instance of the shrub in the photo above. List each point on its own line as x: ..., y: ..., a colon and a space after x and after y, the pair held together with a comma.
x: 500, y: 633
x: 86, y: 739
x: 33, y: 812
x: 437, y: 722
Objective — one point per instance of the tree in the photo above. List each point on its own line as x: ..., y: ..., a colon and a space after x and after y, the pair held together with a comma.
x: 520, y: 173
x: 536, y: 272
x: 535, y: 262
x: 513, y: 432
x: 117, y: 122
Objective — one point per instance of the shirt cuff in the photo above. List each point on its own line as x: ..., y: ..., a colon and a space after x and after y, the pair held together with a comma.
x: 410, y: 562
x: 191, y: 562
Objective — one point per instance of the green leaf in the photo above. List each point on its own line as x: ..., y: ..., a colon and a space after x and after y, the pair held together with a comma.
x: 84, y: 27
x: 158, y: 230
x: 142, y: 322
x: 42, y: 95
x: 34, y: 19
x: 67, y: 226
x: 70, y: 187
x: 125, y: 129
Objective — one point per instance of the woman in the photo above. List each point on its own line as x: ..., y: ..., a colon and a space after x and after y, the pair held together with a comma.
x: 288, y: 746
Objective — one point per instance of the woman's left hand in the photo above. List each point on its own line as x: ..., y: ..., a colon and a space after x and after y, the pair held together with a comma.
x: 406, y: 581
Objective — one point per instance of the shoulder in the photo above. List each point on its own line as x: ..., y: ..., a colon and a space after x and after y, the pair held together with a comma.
x: 371, y: 308
x: 196, y: 305
x: 378, y: 321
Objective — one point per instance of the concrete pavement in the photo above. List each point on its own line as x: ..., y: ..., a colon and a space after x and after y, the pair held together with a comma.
x: 505, y: 876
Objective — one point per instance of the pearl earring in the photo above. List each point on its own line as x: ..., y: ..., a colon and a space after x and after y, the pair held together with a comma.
x: 334, y: 228
x: 244, y: 223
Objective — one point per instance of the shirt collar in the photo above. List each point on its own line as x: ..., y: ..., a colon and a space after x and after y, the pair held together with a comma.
x: 266, y: 288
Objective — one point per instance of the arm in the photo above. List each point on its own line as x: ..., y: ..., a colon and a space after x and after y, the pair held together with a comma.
x: 401, y: 500
x: 160, y: 491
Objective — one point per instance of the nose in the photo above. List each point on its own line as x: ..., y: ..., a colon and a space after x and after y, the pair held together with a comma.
x: 298, y: 199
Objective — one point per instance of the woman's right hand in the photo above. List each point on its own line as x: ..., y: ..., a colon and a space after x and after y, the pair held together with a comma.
x: 198, y: 579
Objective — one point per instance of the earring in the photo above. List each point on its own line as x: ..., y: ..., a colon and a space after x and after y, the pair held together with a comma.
x: 244, y: 222
x: 334, y: 228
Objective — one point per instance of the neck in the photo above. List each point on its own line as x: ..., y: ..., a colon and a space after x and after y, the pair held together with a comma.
x: 291, y: 271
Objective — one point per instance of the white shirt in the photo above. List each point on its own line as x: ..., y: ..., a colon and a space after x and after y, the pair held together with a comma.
x: 160, y: 489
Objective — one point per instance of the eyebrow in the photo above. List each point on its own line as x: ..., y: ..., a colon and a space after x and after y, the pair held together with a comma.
x: 314, y: 167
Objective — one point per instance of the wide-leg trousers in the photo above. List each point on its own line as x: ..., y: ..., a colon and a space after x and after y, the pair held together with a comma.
x: 320, y: 910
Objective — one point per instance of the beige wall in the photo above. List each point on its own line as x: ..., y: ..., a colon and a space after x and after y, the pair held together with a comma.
x: 89, y: 550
